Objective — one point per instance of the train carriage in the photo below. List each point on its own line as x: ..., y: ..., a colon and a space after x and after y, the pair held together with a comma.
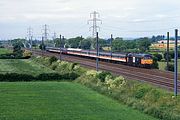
x: 138, y: 60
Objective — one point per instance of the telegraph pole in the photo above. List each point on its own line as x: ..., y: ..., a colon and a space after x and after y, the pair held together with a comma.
x: 176, y: 63
x: 54, y: 37
x: 167, y: 55
x: 97, y: 51
x: 111, y: 44
x: 80, y: 46
x: 94, y: 19
x: 60, y: 41
x: 42, y: 46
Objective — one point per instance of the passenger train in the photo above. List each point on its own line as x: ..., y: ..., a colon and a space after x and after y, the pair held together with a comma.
x: 132, y: 59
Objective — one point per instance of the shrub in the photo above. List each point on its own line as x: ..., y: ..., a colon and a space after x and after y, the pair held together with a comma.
x: 158, y: 56
x: 70, y: 75
x: 170, y: 67
x: 102, y: 75
x: 54, y: 65
x: 52, y: 59
x: 17, y: 50
x: 171, y: 55
x: 13, y: 77
x: 49, y: 76
x: 27, y: 54
x: 115, y: 83
x: 155, y: 63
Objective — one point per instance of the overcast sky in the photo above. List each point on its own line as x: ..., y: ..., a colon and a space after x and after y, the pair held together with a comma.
x: 124, y: 18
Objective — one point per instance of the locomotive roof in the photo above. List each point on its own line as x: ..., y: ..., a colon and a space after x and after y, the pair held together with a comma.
x: 140, y: 55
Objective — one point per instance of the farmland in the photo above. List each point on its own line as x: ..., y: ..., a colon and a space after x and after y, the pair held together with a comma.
x: 54, y: 100
x: 60, y: 100
x: 22, y: 66
x: 4, y: 51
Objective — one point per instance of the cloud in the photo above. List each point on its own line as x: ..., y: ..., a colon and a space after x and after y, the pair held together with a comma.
x: 70, y: 13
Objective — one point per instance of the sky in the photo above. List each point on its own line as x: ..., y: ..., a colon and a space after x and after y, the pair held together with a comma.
x: 122, y: 18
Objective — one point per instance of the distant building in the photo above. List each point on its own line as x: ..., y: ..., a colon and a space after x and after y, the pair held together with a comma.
x: 165, y: 41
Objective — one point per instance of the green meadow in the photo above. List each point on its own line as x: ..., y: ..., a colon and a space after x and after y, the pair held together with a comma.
x: 60, y: 101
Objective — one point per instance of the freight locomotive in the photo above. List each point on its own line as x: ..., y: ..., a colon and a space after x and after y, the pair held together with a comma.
x: 133, y: 59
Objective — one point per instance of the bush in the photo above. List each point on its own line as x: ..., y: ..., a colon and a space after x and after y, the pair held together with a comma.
x: 17, y: 50
x: 13, y: 77
x: 42, y: 47
x: 52, y: 59
x: 140, y: 96
x: 155, y: 63
x: 141, y: 91
x: 12, y: 56
x: 170, y: 67
x: 54, y: 65
x: 171, y: 55
x: 49, y: 76
x: 158, y: 56
x: 27, y: 54
x: 117, y: 82
x: 102, y: 75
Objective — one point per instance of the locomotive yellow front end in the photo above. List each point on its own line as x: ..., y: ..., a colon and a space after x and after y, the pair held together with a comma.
x: 147, y: 61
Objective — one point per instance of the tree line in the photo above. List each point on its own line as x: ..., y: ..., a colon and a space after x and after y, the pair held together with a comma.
x: 118, y: 44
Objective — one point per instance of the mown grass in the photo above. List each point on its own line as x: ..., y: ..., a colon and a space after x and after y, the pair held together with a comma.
x: 60, y: 100
x: 4, y: 51
x: 22, y: 67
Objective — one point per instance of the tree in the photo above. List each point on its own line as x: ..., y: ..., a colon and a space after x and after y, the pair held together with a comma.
x: 158, y: 56
x: 131, y: 44
x: 119, y: 45
x: 143, y: 44
x: 58, y: 42
x: 74, y: 42
x: 42, y: 47
x: 18, y: 41
x: 86, y: 44
x: 17, y: 50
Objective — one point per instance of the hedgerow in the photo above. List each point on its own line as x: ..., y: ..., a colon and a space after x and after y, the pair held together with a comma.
x: 68, y: 70
x: 15, y: 77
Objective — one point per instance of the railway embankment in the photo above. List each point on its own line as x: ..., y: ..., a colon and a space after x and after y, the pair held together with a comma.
x: 146, y: 98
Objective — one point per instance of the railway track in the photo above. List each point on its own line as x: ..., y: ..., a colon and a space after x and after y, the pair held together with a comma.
x: 156, y: 77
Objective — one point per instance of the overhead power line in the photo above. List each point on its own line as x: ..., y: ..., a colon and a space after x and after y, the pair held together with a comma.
x: 125, y: 30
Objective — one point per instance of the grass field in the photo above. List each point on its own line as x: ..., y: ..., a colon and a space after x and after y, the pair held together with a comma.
x: 60, y: 100
x: 4, y: 51
x: 22, y: 66
x: 162, y: 65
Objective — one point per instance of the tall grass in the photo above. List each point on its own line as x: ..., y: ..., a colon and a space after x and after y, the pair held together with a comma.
x: 140, y: 96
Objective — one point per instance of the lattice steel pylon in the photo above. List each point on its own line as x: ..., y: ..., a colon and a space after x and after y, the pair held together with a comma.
x: 45, y: 31
x: 29, y: 33
x: 94, y: 19
x: 30, y: 36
